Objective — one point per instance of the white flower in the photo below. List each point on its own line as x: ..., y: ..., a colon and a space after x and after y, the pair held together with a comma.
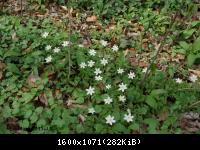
x: 83, y: 65
x: 97, y: 71
x: 115, y: 48
x: 144, y: 70
x: 122, y: 87
x: 110, y: 119
x: 120, y: 71
x: 178, y: 80
x: 104, y: 61
x: 45, y: 34
x: 91, y: 63
x: 91, y: 110
x: 131, y: 75
x: 65, y: 43
x: 122, y: 98
x: 98, y: 78
x: 108, y: 86
x: 80, y: 45
x: 48, y: 47
x: 104, y: 43
x: 193, y: 78
x: 90, y: 90
x: 56, y: 50
x: 128, y: 117
x: 108, y: 100
x: 92, y: 52
x: 48, y: 59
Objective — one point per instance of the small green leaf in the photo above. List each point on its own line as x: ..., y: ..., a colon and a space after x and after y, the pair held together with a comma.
x: 25, y: 123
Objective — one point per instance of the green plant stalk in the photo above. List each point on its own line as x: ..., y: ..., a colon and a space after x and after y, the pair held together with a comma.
x: 159, y: 49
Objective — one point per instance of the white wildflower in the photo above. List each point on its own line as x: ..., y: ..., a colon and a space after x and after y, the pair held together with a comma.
x: 48, y: 59
x: 122, y: 87
x: 90, y: 90
x: 115, y: 48
x: 110, y: 120
x: 91, y: 110
x: 122, y: 98
x: 108, y: 100
x: 91, y: 63
x: 92, y: 52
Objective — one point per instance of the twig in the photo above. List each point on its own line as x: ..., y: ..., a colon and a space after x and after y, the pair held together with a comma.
x: 195, y: 103
x: 21, y: 7
x: 69, y: 38
x: 159, y: 49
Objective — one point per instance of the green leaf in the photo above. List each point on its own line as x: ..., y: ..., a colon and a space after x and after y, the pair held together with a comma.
x: 34, y: 118
x: 28, y: 114
x: 24, y: 123
x: 151, y: 101
x: 11, y: 53
x: 98, y: 128
x: 184, y: 45
x: 158, y: 92
x: 13, y: 68
x: 152, y: 123
x: 187, y: 33
x: 196, y: 44
x: 41, y: 123
x: 191, y: 59
x: 134, y: 127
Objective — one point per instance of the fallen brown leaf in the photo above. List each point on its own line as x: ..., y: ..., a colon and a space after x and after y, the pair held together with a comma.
x: 91, y: 19
x: 43, y: 99
x: 196, y: 72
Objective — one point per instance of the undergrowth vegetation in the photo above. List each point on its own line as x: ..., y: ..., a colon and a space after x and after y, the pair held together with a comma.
x: 53, y: 82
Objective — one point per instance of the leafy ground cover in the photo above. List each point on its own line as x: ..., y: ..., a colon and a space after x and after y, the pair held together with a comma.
x: 70, y: 68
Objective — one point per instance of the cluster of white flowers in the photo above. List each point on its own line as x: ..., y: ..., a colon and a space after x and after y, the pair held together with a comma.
x: 48, y: 59
x: 192, y: 78
x: 122, y: 87
x: 127, y: 117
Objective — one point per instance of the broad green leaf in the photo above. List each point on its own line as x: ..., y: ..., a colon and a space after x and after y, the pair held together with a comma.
x: 196, y: 44
x: 191, y: 59
x: 13, y: 68
x: 187, y: 33
x: 151, y: 101
x: 184, y: 45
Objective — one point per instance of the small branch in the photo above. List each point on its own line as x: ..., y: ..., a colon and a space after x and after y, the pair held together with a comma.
x: 196, y: 103
x: 69, y: 54
x: 21, y: 7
